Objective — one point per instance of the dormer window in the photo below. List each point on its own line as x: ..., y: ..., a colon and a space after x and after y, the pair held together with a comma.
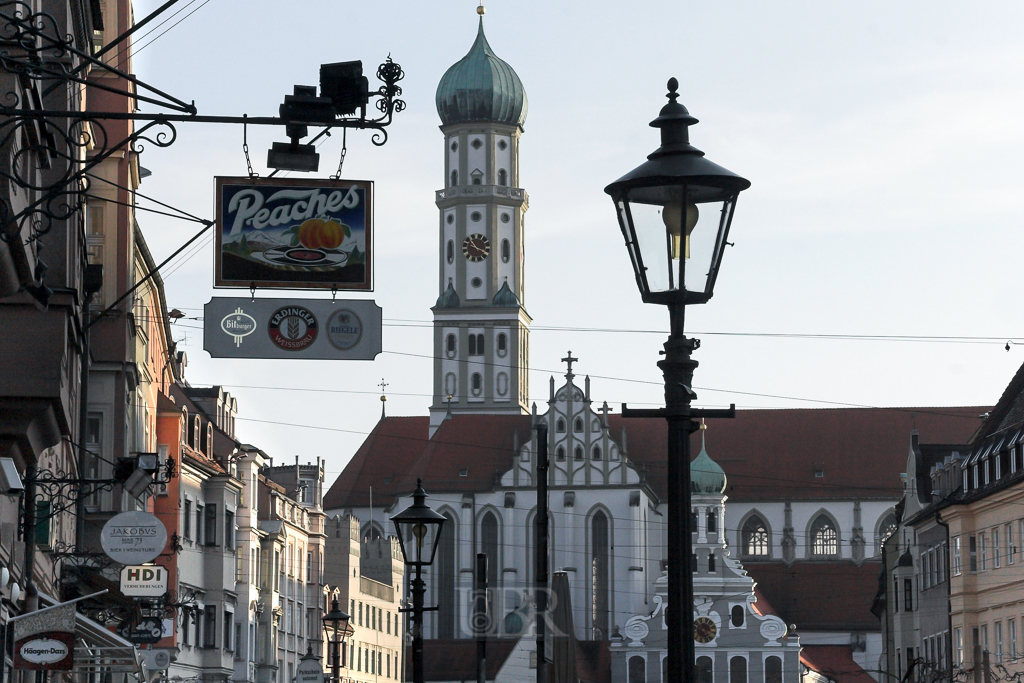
x: 197, y: 434
x: 975, y: 468
x: 987, y: 468
x: 478, y: 177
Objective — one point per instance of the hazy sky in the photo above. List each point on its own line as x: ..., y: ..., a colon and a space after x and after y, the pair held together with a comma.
x: 883, y: 141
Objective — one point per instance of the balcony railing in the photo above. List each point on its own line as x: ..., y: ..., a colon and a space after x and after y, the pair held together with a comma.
x: 517, y: 193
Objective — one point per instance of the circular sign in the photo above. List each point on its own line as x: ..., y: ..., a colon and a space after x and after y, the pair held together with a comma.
x: 292, y: 328
x: 238, y: 324
x: 133, y: 537
x: 43, y: 651
x: 344, y: 329
x: 704, y: 630
x: 309, y: 671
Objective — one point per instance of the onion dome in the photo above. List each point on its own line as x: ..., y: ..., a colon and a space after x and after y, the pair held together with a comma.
x: 505, y: 296
x: 481, y: 87
x: 448, y: 298
x: 706, y: 476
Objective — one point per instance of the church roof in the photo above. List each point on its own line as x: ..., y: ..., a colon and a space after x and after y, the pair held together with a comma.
x: 449, y: 298
x: 835, y: 663
x: 819, y: 596
x: 481, y: 87
x: 505, y: 296
x: 767, y: 454
x: 706, y: 476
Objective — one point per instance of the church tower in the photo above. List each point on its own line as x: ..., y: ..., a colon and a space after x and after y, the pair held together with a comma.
x: 481, y: 328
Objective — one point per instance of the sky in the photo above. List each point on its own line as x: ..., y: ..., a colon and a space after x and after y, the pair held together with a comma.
x: 882, y: 140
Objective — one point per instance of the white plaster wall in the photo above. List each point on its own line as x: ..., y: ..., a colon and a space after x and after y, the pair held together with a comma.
x: 503, y: 157
x: 506, y: 231
x: 476, y: 159
x: 450, y: 235
x: 502, y: 365
x: 453, y: 161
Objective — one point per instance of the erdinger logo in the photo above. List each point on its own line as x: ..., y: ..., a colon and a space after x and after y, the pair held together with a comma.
x: 292, y: 328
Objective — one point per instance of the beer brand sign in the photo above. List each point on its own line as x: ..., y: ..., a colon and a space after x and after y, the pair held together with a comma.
x: 321, y: 329
x: 293, y: 234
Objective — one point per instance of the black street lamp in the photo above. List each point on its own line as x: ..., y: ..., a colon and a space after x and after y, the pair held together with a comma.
x: 336, y: 629
x: 676, y: 263
x: 419, y: 529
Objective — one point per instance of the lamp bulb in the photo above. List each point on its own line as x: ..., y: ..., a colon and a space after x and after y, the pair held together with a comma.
x: 672, y: 215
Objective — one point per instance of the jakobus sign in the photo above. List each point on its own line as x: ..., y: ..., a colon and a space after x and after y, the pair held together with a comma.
x: 133, y: 537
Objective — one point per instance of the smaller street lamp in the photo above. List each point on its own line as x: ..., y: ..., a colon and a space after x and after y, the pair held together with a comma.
x: 419, y: 529
x: 336, y: 629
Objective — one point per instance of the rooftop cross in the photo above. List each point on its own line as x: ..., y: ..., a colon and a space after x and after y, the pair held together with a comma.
x: 569, y: 360
x: 383, y: 397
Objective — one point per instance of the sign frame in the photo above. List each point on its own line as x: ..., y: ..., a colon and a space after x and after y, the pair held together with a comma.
x: 143, y: 588
x: 280, y: 259
x: 63, y: 664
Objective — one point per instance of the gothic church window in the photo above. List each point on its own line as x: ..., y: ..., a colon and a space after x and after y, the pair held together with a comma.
x: 578, y: 452
x: 824, y: 537
x: 754, y: 538
x: 447, y: 575
x: 560, y: 426
x: 489, y: 547
x: 597, y: 452
x: 577, y: 426
x: 599, y: 575
x: 560, y: 453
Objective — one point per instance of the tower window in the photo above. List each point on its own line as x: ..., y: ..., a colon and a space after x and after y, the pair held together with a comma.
x: 455, y: 178
x: 505, y: 218
x: 450, y: 250
x: 472, y: 344
x: 477, y: 180
x: 502, y: 145
x: 476, y: 282
x: 476, y: 344
x: 560, y: 453
x: 578, y: 453
x: 560, y: 426
x: 502, y: 343
x: 476, y: 144
x: 477, y: 383
x: 450, y: 345
x: 506, y: 248
x: 475, y: 216
x: 737, y: 615
x: 454, y: 145
x: 450, y: 219
x: 502, y: 177
x: 597, y: 452
x: 577, y: 426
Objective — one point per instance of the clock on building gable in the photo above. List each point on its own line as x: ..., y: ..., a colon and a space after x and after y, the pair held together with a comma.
x: 476, y: 247
x: 704, y: 630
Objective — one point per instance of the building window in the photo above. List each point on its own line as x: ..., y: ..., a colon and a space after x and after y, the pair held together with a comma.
x: 506, y: 250
x: 1011, y: 632
x: 560, y: 426
x: 450, y: 251
x: 824, y: 539
x: 449, y: 345
x: 737, y: 616
x: 200, y: 511
x: 454, y: 179
x: 712, y: 519
x: 972, y: 543
x: 210, y: 626
x: 995, y: 548
x: 988, y: 468
x: 502, y: 177
x: 476, y: 344
x: 229, y: 530
x: 955, y: 556
x: 578, y: 452
x: 228, y: 621
x: 908, y: 595
x: 705, y: 670
x: 999, y: 641
x: 773, y: 670
x: 637, y: 670
x: 560, y: 453
x: 975, y: 470
x: 597, y: 453
x: 982, y: 551
x: 754, y: 537
x: 477, y: 383
x: 895, y: 595
x: 599, y: 576
x: 186, y: 519
x: 737, y: 670
x: 210, y: 532
x: 958, y: 645
x: 577, y: 425
x: 502, y: 343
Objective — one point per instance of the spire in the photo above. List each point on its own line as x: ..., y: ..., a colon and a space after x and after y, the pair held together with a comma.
x: 706, y: 476
x: 569, y: 360
x: 383, y: 399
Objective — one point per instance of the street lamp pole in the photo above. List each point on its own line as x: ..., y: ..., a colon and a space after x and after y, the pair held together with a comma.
x: 658, y: 207
x: 336, y: 624
x: 418, y: 590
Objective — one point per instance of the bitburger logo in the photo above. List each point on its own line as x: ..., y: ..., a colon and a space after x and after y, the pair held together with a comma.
x: 292, y: 328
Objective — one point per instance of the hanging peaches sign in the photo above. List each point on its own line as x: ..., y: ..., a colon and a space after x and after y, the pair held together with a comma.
x: 293, y: 234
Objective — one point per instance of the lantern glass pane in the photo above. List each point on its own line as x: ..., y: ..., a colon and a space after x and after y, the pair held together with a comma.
x: 418, y: 539
x: 653, y: 244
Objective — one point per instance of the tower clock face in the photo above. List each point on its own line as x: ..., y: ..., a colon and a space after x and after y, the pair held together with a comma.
x: 704, y: 630
x: 476, y: 247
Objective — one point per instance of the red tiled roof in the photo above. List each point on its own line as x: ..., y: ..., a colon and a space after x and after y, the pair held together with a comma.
x: 398, y: 452
x: 455, y: 660
x: 772, y: 454
x: 766, y: 454
x: 820, y: 596
x: 834, y: 662
x: 761, y: 604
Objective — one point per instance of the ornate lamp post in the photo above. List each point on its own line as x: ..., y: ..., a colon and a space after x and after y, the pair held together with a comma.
x: 676, y: 263
x: 336, y: 629
x: 419, y: 529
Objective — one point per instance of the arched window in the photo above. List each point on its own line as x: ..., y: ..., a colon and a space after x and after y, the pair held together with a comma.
x: 711, y: 562
x: 184, y: 426
x: 477, y: 383
x: 502, y: 343
x: 599, y: 575
x: 449, y: 344
x: 455, y: 178
x: 824, y: 537
x: 637, y: 670
x: 577, y: 426
x: 737, y: 615
x: 479, y: 344
x: 737, y: 670
x: 472, y: 344
x: 209, y: 439
x: 197, y: 434
x: 450, y: 251
x: 560, y: 453
x: 705, y: 670
x: 578, y: 452
x: 713, y: 520
x: 447, y: 574
x: 506, y: 251
x: 754, y: 539
x: 502, y: 177
x: 886, y: 528
x: 560, y: 426
x: 489, y: 547
x: 597, y: 453
x: 773, y: 670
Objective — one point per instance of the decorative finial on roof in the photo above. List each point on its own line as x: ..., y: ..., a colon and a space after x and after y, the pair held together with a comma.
x: 448, y: 415
x: 703, y: 429
x: 480, y: 10
x: 383, y: 398
x: 569, y: 360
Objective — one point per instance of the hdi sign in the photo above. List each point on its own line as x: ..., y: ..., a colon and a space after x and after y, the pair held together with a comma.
x: 144, y: 581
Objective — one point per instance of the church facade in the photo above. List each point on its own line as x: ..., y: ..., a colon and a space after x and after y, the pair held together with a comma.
x: 810, y: 492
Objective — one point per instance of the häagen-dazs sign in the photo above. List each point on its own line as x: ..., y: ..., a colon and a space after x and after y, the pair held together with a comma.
x: 133, y: 537
x: 48, y: 651
x: 294, y: 234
